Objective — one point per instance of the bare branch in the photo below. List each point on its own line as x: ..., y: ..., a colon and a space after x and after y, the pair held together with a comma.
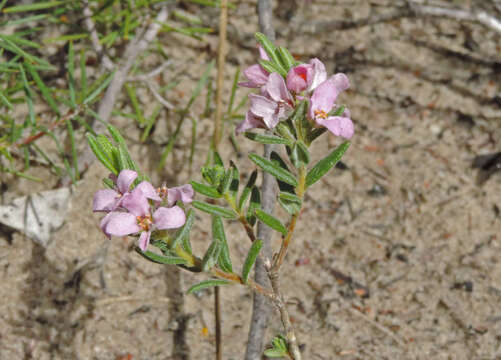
x: 94, y: 38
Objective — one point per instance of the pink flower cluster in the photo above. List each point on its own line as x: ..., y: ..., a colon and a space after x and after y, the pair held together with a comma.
x: 138, y: 210
x: 278, y: 96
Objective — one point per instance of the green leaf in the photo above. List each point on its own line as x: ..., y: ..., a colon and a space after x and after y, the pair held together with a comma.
x: 278, y: 161
x: 161, y: 259
x: 100, y: 154
x: 271, y: 221
x: 217, y: 159
x: 266, y: 139
x: 41, y: 86
x: 275, y: 353
x: 224, y: 260
x: 32, y: 7
x: 274, y: 169
x: 207, y: 284
x: 212, y: 255
x: 184, y: 233
x: 99, y: 89
x: 235, y: 181
x: 228, y: 177
x: 299, y: 154
x: 286, y: 58
x: 116, y: 134
x: 270, y: 49
x: 71, y: 74
x: 251, y: 259
x: 247, y: 189
x: 255, y: 203
x: 233, y: 90
x: 214, y: 210
x: 323, y: 166
x: 271, y: 67
x: 205, y: 190
x: 290, y: 202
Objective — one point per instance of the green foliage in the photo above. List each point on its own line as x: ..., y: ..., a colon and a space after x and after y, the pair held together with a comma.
x: 161, y: 259
x: 277, y: 171
x: 224, y: 260
x: 207, y: 284
x: 214, y: 210
x: 251, y: 259
x: 279, y: 347
x: 323, y: 166
x: 271, y: 221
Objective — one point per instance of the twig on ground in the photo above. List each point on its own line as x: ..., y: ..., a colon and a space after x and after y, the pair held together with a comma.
x: 94, y: 38
x: 378, y: 326
x: 134, y: 49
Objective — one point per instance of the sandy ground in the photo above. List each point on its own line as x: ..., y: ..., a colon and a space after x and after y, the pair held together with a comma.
x: 395, y: 257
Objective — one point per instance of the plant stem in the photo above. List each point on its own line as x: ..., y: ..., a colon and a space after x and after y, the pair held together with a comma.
x: 217, y: 314
x: 300, y: 189
x: 290, y: 335
x: 223, y: 20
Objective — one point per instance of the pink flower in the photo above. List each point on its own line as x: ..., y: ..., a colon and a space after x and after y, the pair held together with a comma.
x: 256, y: 75
x: 108, y: 200
x: 251, y: 121
x: 182, y: 193
x: 139, y: 219
x: 306, y: 76
x: 323, y: 101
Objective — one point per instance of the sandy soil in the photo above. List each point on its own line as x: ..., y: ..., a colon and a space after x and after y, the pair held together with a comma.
x: 396, y: 256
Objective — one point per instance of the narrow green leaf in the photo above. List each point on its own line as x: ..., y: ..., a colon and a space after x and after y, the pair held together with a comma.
x: 286, y: 58
x: 32, y: 7
x: 100, y: 154
x: 161, y: 259
x: 224, y: 260
x: 205, y: 190
x: 323, y: 166
x: 217, y: 159
x: 46, y: 93
x: 215, y: 210
x: 74, y: 153
x: 212, y: 255
x: 131, y: 91
x: 275, y: 353
x: 247, y: 189
x: 185, y: 230
x: 207, y: 284
x: 116, y: 134
x: 200, y: 85
x: 290, y: 202
x: 278, y: 161
x: 83, y: 76
x: 266, y: 139
x: 274, y: 169
x: 251, y: 259
x: 271, y: 67
x: 5, y: 100
x: 99, y: 89
x: 233, y: 90
x: 271, y: 221
x: 235, y: 181
x: 255, y: 203
x: 71, y: 74
x: 105, y: 145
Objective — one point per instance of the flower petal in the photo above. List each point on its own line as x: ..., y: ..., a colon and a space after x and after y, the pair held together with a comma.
x: 340, y: 81
x: 184, y: 193
x: 125, y: 179
x: 148, y: 190
x: 119, y: 224
x: 256, y: 75
x: 105, y: 200
x: 262, y: 106
x: 250, y: 122
x: 169, y: 218
x: 338, y: 125
x: 299, y: 77
x: 323, y: 98
x: 136, y: 203
x: 262, y: 54
x: 276, y: 88
x: 319, y: 74
x: 144, y: 240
